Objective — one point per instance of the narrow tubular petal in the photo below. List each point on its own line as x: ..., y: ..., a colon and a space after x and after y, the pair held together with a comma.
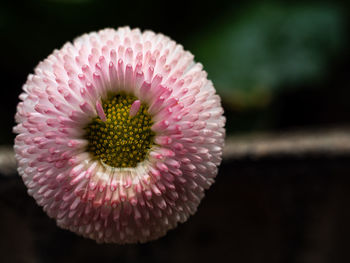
x: 135, y: 108
x: 100, y: 111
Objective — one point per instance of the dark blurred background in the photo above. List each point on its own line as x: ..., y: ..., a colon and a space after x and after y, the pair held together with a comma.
x: 279, y: 66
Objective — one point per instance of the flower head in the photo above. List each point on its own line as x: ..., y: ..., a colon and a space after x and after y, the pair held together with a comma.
x: 119, y: 134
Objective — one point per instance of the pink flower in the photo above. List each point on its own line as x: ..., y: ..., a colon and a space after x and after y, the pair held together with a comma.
x: 119, y: 134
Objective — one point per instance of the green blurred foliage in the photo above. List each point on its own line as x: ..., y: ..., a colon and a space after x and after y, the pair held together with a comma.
x: 269, y: 47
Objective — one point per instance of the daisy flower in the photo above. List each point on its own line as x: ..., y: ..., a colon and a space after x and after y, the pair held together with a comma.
x: 118, y: 135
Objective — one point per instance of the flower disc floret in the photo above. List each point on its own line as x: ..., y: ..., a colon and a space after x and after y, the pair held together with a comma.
x: 122, y: 140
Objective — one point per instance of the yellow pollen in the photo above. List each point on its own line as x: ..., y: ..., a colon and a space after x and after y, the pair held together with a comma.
x: 119, y: 141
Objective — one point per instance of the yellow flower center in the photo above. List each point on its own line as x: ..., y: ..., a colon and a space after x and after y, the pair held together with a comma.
x: 121, y: 141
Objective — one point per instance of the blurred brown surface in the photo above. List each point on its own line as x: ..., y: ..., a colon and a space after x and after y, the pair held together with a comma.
x: 327, y: 142
x: 271, y: 210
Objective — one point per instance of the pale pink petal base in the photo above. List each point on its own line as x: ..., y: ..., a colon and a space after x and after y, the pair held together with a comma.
x: 119, y: 205
x: 135, y: 106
